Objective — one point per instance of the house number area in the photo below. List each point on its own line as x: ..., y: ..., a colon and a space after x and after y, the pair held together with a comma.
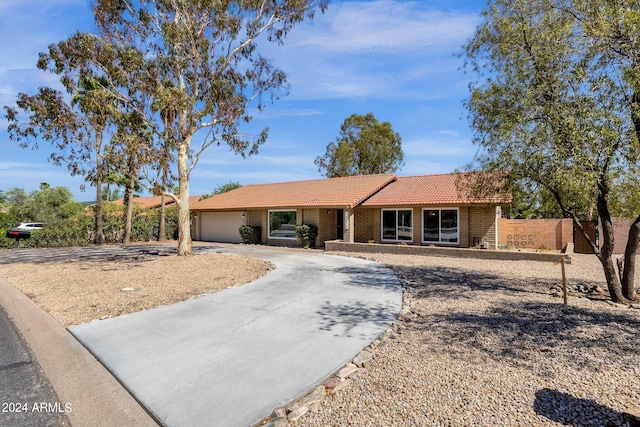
x: 520, y: 240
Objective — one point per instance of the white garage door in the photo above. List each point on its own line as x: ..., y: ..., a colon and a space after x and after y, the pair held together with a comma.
x: 221, y: 227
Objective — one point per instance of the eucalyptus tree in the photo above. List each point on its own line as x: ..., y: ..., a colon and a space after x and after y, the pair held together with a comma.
x: 556, y: 105
x: 131, y: 149
x: 202, y: 58
x: 365, y: 146
x: 74, y: 123
x: 96, y: 103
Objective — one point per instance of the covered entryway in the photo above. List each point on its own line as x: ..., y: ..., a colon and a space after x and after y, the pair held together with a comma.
x: 221, y: 226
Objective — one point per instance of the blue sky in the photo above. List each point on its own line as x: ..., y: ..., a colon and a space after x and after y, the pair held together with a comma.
x: 396, y: 59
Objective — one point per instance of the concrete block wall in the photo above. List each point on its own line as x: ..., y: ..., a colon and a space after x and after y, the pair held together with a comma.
x: 483, y: 225
x: 463, y: 223
x: 535, y: 233
x: 319, y: 218
x: 327, y: 225
x: 365, y: 225
x: 338, y: 246
x: 254, y: 218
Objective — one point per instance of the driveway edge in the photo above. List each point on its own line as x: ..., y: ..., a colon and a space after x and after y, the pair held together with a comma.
x: 95, y: 397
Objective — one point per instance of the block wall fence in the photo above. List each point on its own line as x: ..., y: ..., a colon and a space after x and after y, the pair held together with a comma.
x: 551, y: 234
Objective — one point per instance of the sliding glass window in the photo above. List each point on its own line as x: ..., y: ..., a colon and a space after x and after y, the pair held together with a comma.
x: 397, y: 225
x: 440, y: 226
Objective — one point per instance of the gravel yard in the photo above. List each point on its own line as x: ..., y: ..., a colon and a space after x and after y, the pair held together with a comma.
x: 81, y: 291
x: 489, y: 346
x: 486, y: 345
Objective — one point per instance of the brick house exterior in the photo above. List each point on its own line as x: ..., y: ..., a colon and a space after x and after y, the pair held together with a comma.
x: 420, y: 210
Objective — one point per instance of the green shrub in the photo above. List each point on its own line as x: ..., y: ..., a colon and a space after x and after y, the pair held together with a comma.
x: 250, y: 235
x: 80, y: 230
x: 307, y: 234
x: 7, y: 221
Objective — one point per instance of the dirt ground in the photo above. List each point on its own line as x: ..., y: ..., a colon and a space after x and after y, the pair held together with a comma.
x: 81, y: 291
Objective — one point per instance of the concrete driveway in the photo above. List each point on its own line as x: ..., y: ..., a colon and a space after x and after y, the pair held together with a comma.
x: 230, y: 358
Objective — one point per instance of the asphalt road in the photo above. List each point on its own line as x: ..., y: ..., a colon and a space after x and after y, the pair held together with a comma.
x: 26, y: 398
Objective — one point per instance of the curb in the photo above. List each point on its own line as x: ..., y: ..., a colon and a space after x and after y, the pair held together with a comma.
x: 81, y: 383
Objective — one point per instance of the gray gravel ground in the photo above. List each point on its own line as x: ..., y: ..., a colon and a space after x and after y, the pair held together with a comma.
x: 488, y: 345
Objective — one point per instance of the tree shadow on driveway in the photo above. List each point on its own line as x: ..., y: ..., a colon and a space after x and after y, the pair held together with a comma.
x: 376, y: 277
x: 356, y: 319
x: 360, y: 317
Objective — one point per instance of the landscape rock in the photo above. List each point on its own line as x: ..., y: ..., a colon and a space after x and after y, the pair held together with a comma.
x: 341, y: 385
x: 315, y: 396
x: 277, y: 422
x: 347, y: 371
x: 404, y: 313
x: 297, y: 413
x: 363, y: 359
x: 331, y: 382
x: 279, y: 412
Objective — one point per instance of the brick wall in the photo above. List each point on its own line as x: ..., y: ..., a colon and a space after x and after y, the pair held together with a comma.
x: 482, y: 225
x: 477, y: 222
x: 535, y: 233
x: 308, y: 216
x: 327, y: 225
x: 258, y: 218
x: 338, y: 246
x: 463, y: 223
x: 254, y: 218
x: 365, y: 225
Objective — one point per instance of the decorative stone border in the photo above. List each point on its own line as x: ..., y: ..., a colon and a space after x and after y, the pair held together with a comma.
x: 281, y: 417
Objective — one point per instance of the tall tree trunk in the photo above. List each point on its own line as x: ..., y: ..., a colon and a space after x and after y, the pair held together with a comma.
x: 162, y: 233
x: 99, y: 228
x: 184, y: 226
x: 128, y: 199
x: 629, y: 271
x: 606, y: 248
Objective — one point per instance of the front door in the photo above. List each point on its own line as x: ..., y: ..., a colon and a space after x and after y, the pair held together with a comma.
x: 340, y: 222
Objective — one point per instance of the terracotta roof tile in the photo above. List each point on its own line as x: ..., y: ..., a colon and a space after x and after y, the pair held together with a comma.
x: 423, y: 190
x: 332, y: 192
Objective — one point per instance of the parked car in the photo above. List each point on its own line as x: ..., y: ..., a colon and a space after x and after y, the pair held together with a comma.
x: 28, y: 226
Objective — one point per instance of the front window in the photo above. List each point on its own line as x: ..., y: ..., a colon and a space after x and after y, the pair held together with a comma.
x: 397, y: 225
x: 440, y: 226
x: 282, y: 224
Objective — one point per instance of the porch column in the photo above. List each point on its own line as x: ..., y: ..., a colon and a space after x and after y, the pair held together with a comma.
x: 349, y: 226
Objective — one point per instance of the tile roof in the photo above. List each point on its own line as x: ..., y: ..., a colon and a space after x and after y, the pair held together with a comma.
x: 424, y: 190
x: 340, y: 192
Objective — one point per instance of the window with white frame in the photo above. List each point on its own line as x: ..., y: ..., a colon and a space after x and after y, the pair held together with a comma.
x: 440, y: 226
x: 282, y: 224
x: 397, y: 225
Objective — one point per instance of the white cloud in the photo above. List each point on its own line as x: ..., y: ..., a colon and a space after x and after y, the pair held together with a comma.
x: 374, y: 49
x: 387, y: 26
x: 270, y: 113
x: 28, y: 28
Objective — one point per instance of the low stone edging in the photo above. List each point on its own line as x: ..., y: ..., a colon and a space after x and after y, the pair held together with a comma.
x: 375, y: 248
x: 281, y: 416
